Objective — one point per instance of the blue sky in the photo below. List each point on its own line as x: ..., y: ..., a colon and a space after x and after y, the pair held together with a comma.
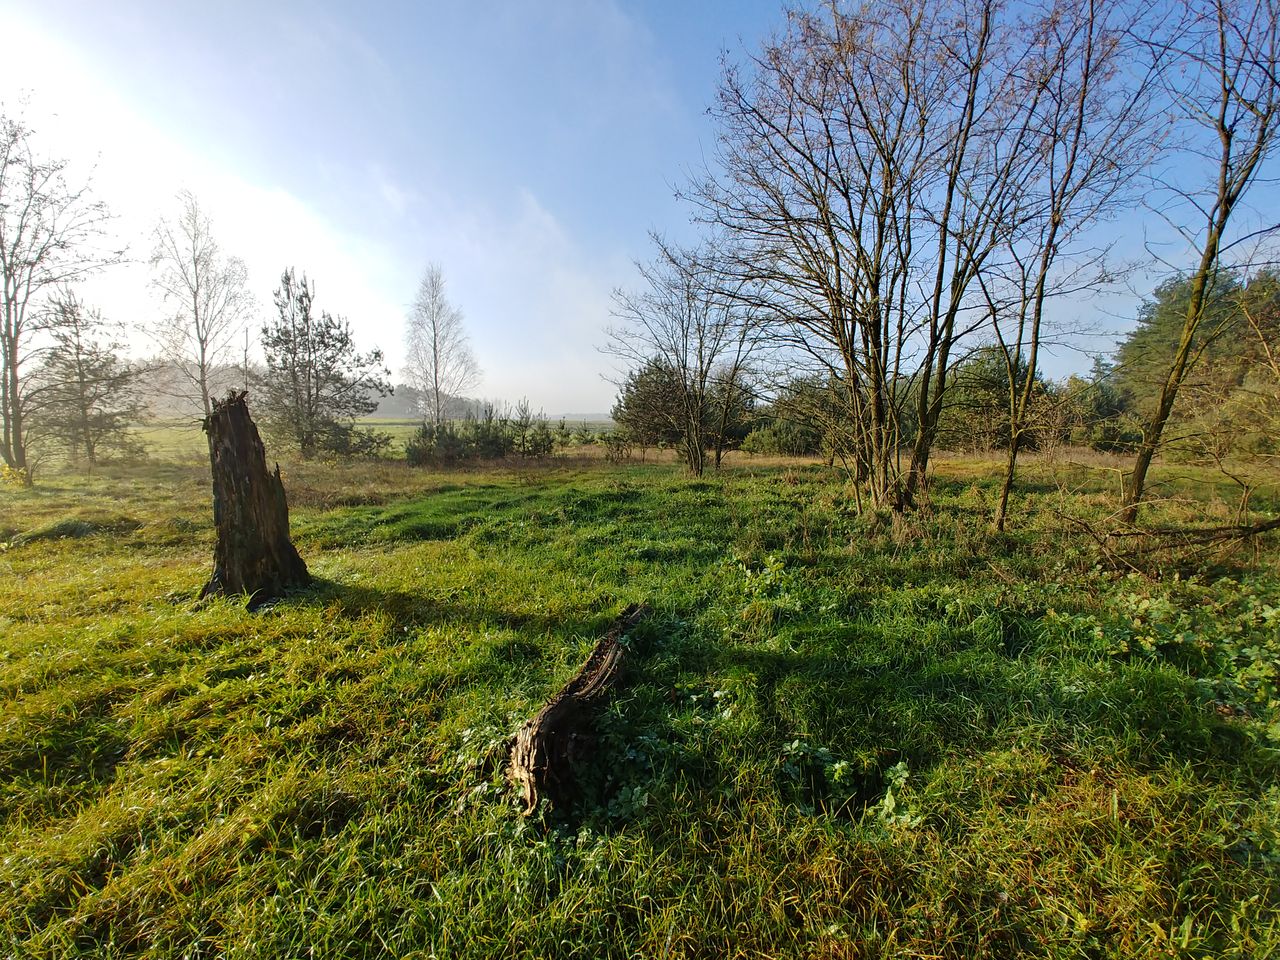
x: 526, y: 147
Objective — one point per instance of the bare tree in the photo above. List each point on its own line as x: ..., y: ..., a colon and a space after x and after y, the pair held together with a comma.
x: 872, y: 160
x: 1090, y: 137
x: 439, y: 359
x: 206, y: 292
x: 683, y: 323
x: 1223, y: 76
x: 50, y: 234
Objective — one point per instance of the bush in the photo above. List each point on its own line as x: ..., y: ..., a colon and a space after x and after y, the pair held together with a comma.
x: 617, y: 446
x: 583, y: 435
x: 782, y: 438
x: 342, y: 440
x: 488, y: 437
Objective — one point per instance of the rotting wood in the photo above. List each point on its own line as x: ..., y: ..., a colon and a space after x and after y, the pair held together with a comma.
x: 546, y: 747
x: 1150, y: 543
x: 253, y: 555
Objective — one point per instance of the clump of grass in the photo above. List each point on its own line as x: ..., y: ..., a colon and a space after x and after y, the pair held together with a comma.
x: 76, y: 528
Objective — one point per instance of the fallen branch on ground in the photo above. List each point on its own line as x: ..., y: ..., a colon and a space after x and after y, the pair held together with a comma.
x: 547, y: 746
x: 1147, y: 541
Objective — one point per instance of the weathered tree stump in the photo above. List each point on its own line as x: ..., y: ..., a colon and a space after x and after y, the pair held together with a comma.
x: 547, y: 746
x: 253, y: 555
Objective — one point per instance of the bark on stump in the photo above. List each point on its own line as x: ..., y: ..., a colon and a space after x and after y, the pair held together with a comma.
x: 547, y: 746
x: 253, y: 555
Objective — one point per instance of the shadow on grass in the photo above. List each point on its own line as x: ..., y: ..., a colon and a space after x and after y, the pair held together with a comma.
x: 868, y: 696
x: 69, y: 742
x: 416, y: 610
x: 454, y: 511
x: 826, y: 726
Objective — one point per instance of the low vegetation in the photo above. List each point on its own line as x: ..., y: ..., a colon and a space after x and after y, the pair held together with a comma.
x: 842, y: 735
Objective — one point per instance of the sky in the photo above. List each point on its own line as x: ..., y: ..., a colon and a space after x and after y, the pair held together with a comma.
x: 526, y: 148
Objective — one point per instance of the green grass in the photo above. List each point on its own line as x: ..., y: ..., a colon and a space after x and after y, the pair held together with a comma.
x: 183, y: 439
x: 841, y: 736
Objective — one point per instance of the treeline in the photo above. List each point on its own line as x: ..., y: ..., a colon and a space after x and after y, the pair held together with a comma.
x: 67, y: 385
x: 1228, y: 407
x: 806, y: 418
x: 1229, y: 410
x: 69, y: 389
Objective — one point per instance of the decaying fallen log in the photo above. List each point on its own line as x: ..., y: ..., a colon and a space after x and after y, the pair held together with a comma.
x: 1143, y: 546
x: 547, y: 746
x: 253, y: 555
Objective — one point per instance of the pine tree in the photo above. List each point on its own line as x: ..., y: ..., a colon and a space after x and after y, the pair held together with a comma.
x: 316, y: 383
x: 88, y: 396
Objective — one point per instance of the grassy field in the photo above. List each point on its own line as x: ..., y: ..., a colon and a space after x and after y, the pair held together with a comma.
x: 176, y: 440
x: 841, y: 736
x: 182, y: 440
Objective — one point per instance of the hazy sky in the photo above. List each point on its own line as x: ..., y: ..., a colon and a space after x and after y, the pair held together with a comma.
x: 527, y: 147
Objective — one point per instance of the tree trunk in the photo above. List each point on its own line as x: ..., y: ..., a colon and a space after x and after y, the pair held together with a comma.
x: 1010, y: 471
x: 547, y: 746
x: 14, y: 445
x: 253, y: 555
x: 1153, y: 429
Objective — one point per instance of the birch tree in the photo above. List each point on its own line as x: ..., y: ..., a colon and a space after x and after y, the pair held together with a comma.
x: 439, y: 361
x: 207, y: 298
